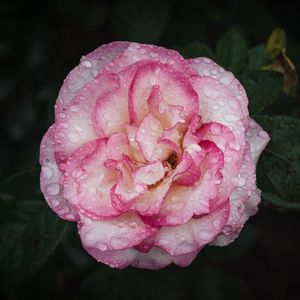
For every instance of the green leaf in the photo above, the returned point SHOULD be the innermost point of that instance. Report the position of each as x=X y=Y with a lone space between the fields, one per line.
x=279 y=167
x=256 y=57
x=140 y=21
x=262 y=88
x=232 y=51
x=197 y=49
x=29 y=230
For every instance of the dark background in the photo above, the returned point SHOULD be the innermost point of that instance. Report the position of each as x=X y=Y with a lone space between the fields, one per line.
x=40 y=43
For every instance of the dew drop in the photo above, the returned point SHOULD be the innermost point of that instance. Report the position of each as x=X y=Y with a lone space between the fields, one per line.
x=142 y=206
x=205 y=235
x=231 y=117
x=118 y=243
x=52 y=189
x=227 y=229
x=215 y=107
x=75 y=107
x=263 y=134
x=47 y=172
x=163 y=242
x=86 y=63
x=55 y=203
x=102 y=247
x=73 y=137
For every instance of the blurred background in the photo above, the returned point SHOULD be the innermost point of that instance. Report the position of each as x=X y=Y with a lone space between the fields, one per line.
x=40 y=42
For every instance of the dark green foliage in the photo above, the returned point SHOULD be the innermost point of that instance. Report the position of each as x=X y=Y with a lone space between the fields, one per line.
x=29 y=230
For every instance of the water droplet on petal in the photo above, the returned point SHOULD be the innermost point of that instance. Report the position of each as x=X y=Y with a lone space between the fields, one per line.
x=142 y=206
x=73 y=137
x=118 y=243
x=263 y=134
x=163 y=242
x=86 y=63
x=231 y=117
x=75 y=107
x=215 y=107
x=102 y=247
x=205 y=235
x=217 y=223
x=47 y=172
x=227 y=229
x=52 y=189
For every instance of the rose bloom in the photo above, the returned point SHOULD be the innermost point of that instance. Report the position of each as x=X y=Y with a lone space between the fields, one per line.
x=152 y=155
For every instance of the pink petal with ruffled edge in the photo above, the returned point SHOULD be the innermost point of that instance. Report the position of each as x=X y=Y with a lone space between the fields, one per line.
x=147 y=137
x=155 y=259
x=257 y=138
x=126 y=188
x=74 y=126
x=87 y=70
x=183 y=202
x=118 y=233
x=175 y=90
x=149 y=174
x=243 y=201
x=117 y=146
x=87 y=182
x=135 y=150
x=110 y=114
x=194 y=234
x=50 y=176
x=216 y=105
x=205 y=67
x=169 y=115
x=139 y=52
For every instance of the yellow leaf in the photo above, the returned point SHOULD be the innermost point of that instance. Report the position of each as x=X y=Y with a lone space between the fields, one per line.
x=276 y=43
x=283 y=64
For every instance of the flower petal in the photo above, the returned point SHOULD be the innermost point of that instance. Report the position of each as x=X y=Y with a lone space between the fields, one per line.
x=74 y=127
x=147 y=138
x=176 y=92
x=257 y=139
x=193 y=235
x=50 y=176
x=87 y=182
x=155 y=259
x=182 y=202
x=205 y=67
x=243 y=201
x=87 y=70
x=219 y=105
x=119 y=233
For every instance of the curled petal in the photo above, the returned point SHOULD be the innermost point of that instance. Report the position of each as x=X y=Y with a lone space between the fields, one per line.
x=182 y=202
x=148 y=136
x=176 y=92
x=219 y=105
x=257 y=139
x=87 y=182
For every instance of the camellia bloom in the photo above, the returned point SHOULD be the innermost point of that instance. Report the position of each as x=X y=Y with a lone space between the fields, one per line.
x=152 y=155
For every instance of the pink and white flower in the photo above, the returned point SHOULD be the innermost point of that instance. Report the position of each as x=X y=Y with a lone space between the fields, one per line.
x=152 y=155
